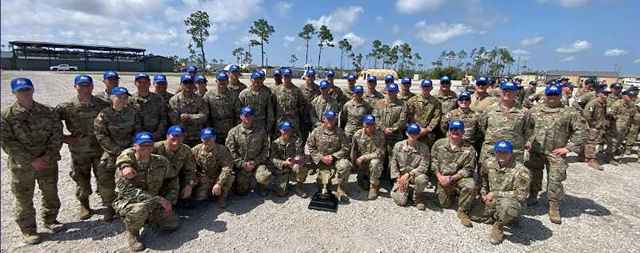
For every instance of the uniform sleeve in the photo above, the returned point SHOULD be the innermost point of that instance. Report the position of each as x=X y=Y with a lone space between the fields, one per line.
x=402 y=120
x=55 y=139
x=263 y=156
x=313 y=115
x=577 y=130
x=172 y=111
x=312 y=147
x=435 y=162
x=394 y=167
x=234 y=148
x=276 y=160
x=344 y=147
x=271 y=120
x=529 y=128
x=444 y=124
x=200 y=118
x=227 y=165
x=437 y=115
x=378 y=152
x=423 y=167
x=15 y=149
x=164 y=118
x=483 y=123
x=102 y=135
x=171 y=184
x=467 y=163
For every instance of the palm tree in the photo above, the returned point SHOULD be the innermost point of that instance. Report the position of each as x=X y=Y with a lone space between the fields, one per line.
x=307 y=33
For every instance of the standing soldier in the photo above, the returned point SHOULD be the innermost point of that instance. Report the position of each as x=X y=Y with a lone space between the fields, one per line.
x=353 y=111
x=183 y=167
x=567 y=94
x=201 y=85
x=160 y=87
x=192 y=71
x=290 y=103
x=468 y=117
x=586 y=94
x=372 y=95
x=595 y=114
x=391 y=113
x=258 y=97
x=329 y=150
x=481 y=100
x=388 y=79
x=505 y=190
x=622 y=113
x=351 y=82
x=405 y=89
x=632 y=137
x=114 y=128
x=310 y=90
x=367 y=154
x=409 y=164
x=277 y=77
x=448 y=98
x=558 y=130
x=453 y=165
x=223 y=107
x=78 y=115
x=249 y=147
x=110 y=79
x=31 y=135
x=140 y=179
x=426 y=111
x=188 y=110
x=150 y=106
x=214 y=168
x=234 y=80
x=335 y=91
x=287 y=156
x=324 y=102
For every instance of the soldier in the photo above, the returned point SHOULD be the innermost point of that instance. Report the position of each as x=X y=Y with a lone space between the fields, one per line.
x=114 y=128
x=595 y=114
x=632 y=137
x=372 y=95
x=201 y=85
x=353 y=111
x=454 y=165
x=622 y=113
x=160 y=87
x=529 y=95
x=405 y=89
x=391 y=113
x=466 y=85
x=150 y=106
x=468 y=117
x=505 y=190
x=258 y=97
x=140 y=179
x=616 y=93
x=388 y=79
x=409 y=164
x=335 y=91
x=481 y=100
x=426 y=111
x=324 y=102
x=585 y=95
x=214 y=169
x=567 y=94
x=183 y=166
x=249 y=147
x=110 y=79
x=290 y=103
x=558 y=130
x=329 y=148
x=310 y=91
x=223 y=107
x=78 y=115
x=351 y=82
x=277 y=77
x=188 y=110
x=287 y=156
x=192 y=71
x=31 y=135
x=367 y=154
x=448 y=98
x=235 y=86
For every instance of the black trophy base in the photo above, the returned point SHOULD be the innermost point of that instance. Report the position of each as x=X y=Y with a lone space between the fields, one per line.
x=324 y=202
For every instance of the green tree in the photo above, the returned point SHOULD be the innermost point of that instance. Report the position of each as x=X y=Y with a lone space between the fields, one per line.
x=262 y=30
x=325 y=38
x=357 y=61
x=293 y=59
x=418 y=58
x=376 y=50
x=238 y=53
x=344 y=46
x=405 y=55
x=198 y=25
x=307 y=33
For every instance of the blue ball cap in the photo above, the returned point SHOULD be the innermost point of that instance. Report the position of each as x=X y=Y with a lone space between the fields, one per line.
x=175 y=130
x=616 y=86
x=368 y=119
x=392 y=87
x=222 y=76
x=310 y=73
x=464 y=96
x=200 y=78
x=330 y=73
x=256 y=75
x=456 y=125
x=143 y=138
x=277 y=72
x=246 y=111
x=602 y=88
x=552 y=90
x=372 y=79
x=426 y=83
x=413 y=128
x=110 y=74
x=119 y=90
x=140 y=76
x=186 y=78
x=482 y=81
x=192 y=69
x=234 y=68
x=83 y=80
x=286 y=72
x=503 y=146
x=510 y=86
x=445 y=80
x=20 y=83
x=160 y=79
x=389 y=78
x=207 y=133
x=324 y=84
x=285 y=125
x=351 y=77
x=329 y=115
x=358 y=89
x=630 y=92
x=405 y=80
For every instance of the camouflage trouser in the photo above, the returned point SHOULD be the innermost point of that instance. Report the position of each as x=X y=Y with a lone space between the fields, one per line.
x=594 y=138
x=150 y=211
x=23 y=180
x=81 y=167
x=464 y=188
x=202 y=189
x=615 y=140
x=486 y=153
x=372 y=169
x=281 y=178
x=245 y=181
x=338 y=173
x=106 y=178
x=632 y=137
x=503 y=210
x=402 y=198
x=556 y=168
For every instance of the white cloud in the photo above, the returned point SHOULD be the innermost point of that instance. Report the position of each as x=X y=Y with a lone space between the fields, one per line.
x=288 y=40
x=567 y=3
x=354 y=40
x=568 y=58
x=340 y=20
x=637 y=61
x=577 y=46
x=521 y=52
x=532 y=41
x=244 y=40
x=615 y=52
x=440 y=32
x=395 y=29
x=416 y=6
x=379 y=19
x=283 y=8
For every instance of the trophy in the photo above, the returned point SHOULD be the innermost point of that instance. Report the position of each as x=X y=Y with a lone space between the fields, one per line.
x=324 y=199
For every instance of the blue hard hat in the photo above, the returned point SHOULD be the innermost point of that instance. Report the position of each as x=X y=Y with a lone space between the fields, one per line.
x=358 y=89
x=482 y=81
x=175 y=130
x=83 y=80
x=285 y=125
x=372 y=79
x=110 y=74
x=351 y=77
x=286 y=72
x=234 y=68
x=276 y=72
x=186 y=78
x=207 y=133
x=464 y=96
x=329 y=115
x=141 y=76
x=20 y=83
x=413 y=128
x=192 y=69
x=426 y=83
x=445 y=80
x=388 y=78
x=324 y=84
x=330 y=73
x=368 y=119
x=405 y=80
x=222 y=76
x=160 y=79
x=310 y=73
x=508 y=86
x=552 y=90
x=456 y=125
x=200 y=78
x=503 y=146
x=246 y=111
x=119 y=90
x=392 y=87
x=143 y=138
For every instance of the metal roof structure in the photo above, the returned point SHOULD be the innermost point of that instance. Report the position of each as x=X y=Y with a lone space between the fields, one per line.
x=74 y=46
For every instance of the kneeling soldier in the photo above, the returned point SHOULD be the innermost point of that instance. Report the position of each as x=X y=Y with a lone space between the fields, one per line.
x=183 y=166
x=287 y=157
x=409 y=164
x=367 y=152
x=214 y=168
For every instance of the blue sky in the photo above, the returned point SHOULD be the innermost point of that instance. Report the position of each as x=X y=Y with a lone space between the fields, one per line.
x=547 y=34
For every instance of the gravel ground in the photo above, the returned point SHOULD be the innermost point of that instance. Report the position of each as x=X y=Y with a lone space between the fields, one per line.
x=600 y=214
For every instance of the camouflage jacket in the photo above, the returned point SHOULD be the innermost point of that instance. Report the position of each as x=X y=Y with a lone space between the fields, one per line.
x=391 y=113
x=153 y=113
x=506 y=182
x=481 y=102
x=259 y=99
x=27 y=134
x=515 y=125
x=104 y=96
x=351 y=115
x=612 y=98
x=196 y=110
x=405 y=96
x=583 y=99
x=213 y=162
x=595 y=114
x=290 y=104
x=556 y=128
x=115 y=129
x=452 y=160
x=406 y=158
x=370 y=147
x=152 y=180
x=339 y=95
x=224 y=109
x=372 y=98
x=471 y=121
x=425 y=111
x=248 y=144
x=449 y=101
x=182 y=163
x=166 y=96
x=235 y=86
x=78 y=118
x=323 y=141
x=622 y=113
x=310 y=93
x=321 y=104
x=282 y=150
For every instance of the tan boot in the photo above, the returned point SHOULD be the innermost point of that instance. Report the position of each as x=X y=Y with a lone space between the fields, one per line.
x=340 y=193
x=594 y=164
x=497 y=233
x=109 y=214
x=554 y=212
x=31 y=238
x=373 y=191
x=464 y=218
x=419 y=199
x=300 y=190
x=84 y=213
x=133 y=238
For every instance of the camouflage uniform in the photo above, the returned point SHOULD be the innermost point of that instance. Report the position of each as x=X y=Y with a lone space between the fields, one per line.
x=391 y=113
x=515 y=125
x=632 y=136
x=372 y=148
x=249 y=144
x=282 y=150
x=449 y=101
x=583 y=99
x=323 y=141
x=290 y=105
x=408 y=159
x=214 y=165
x=621 y=114
x=153 y=113
x=196 y=109
x=223 y=110
x=27 y=134
x=471 y=123
x=235 y=86
x=595 y=116
x=339 y=95
x=372 y=98
x=104 y=96
x=260 y=101
x=510 y=187
x=450 y=161
x=351 y=116
x=321 y=104
x=481 y=102
x=405 y=96
x=183 y=166
x=426 y=112
x=166 y=96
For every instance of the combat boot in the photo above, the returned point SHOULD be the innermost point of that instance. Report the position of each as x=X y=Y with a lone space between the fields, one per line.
x=464 y=218
x=533 y=199
x=594 y=164
x=554 y=212
x=341 y=194
x=497 y=233
x=109 y=214
x=300 y=190
x=419 y=199
x=373 y=191
x=133 y=238
x=31 y=238
x=85 y=211
x=53 y=226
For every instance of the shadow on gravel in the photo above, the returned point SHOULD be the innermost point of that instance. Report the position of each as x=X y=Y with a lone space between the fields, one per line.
x=527 y=231
x=571 y=206
x=239 y=205
x=90 y=229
